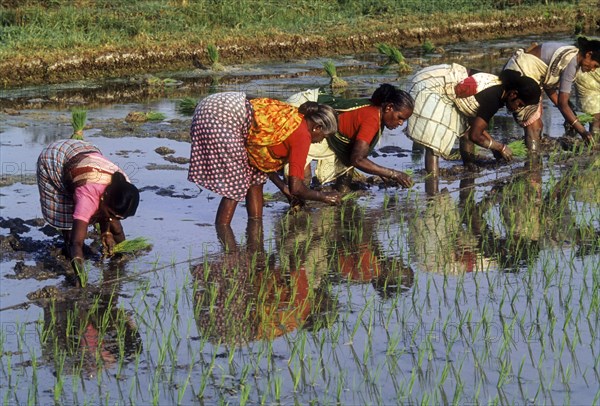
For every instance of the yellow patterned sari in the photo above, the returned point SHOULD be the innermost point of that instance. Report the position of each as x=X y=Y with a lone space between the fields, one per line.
x=274 y=121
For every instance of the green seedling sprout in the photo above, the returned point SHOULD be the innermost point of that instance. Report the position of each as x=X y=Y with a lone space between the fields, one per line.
x=213 y=58
x=395 y=57
x=334 y=80
x=78 y=118
x=132 y=246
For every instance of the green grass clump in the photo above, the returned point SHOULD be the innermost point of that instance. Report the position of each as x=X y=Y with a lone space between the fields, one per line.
x=394 y=57
x=132 y=246
x=187 y=106
x=78 y=117
x=428 y=47
x=213 y=57
x=335 y=80
x=518 y=148
x=155 y=116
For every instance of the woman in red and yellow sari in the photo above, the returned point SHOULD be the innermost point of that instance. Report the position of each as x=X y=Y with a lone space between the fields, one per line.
x=238 y=143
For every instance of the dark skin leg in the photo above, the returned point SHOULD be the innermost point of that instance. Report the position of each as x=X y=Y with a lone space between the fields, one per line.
x=225 y=235
x=225 y=211
x=432 y=164
x=254 y=202
x=533 y=136
x=432 y=185
x=467 y=151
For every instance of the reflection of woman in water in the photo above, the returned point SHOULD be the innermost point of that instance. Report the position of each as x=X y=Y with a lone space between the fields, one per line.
x=95 y=333
x=440 y=242
x=244 y=296
x=342 y=241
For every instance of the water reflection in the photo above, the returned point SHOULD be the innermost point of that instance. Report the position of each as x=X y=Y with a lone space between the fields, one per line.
x=243 y=293
x=341 y=243
x=442 y=237
x=90 y=332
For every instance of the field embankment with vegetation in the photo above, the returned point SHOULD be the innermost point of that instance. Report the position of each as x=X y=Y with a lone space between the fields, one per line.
x=58 y=41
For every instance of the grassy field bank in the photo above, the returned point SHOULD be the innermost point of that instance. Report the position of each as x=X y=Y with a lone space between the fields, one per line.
x=58 y=41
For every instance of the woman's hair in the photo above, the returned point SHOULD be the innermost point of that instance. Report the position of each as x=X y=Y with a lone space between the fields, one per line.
x=528 y=89
x=388 y=94
x=320 y=114
x=586 y=45
x=121 y=196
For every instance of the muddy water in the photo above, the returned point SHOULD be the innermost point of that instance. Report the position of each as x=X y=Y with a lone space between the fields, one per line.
x=485 y=291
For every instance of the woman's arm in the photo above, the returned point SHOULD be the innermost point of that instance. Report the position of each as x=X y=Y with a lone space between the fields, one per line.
x=78 y=234
x=359 y=159
x=299 y=190
x=562 y=102
x=479 y=135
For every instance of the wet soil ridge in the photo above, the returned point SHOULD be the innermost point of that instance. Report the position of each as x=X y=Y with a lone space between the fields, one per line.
x=20 y=71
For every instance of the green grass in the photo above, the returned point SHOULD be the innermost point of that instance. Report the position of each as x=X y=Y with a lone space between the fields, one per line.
x=35 y=26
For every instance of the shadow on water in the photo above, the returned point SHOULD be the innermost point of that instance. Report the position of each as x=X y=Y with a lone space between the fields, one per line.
x=417 y=295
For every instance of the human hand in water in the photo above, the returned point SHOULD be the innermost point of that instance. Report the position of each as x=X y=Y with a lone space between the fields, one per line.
x=108 y=243
x=331 y=198
x=504 y=153
x=588 y=138
x=401 y=178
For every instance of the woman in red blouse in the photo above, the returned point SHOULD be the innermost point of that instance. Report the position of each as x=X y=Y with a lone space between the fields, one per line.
x=237 y=143
x=390 y=108
x=359 y=130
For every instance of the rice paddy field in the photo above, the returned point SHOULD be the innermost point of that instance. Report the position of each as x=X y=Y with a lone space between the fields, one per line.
x=481 y=289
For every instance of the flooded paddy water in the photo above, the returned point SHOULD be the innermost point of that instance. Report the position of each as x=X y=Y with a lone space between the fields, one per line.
x=486 y=291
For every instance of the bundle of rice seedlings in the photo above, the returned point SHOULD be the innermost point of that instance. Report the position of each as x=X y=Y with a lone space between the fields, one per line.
x=585 y=118
x=350 y=195
x=394 y=57
x=155 y=116
x=132 y=246
x=78 y=117
x=335 y=81
x=187 y=106
x=428 y=47
x=213 y=57
x=518 y=148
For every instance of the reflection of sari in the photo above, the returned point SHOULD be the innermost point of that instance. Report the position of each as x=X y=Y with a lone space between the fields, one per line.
x=284 y=306
x=441 y=244
x=361 y=265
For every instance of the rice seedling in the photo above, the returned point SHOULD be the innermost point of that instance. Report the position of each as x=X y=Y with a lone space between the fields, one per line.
x=518 y=148
x=78 y=118
x=213 y=58
x=428 y=47
x=155 y=116
x=132 y=246
x=334 y=80
x=395 y=57
x=585 y=118
x=187 y=106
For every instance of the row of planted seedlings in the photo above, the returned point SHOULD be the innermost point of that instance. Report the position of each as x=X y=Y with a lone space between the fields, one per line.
x=443 y=299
